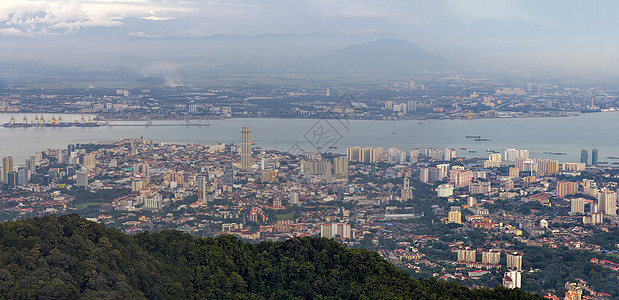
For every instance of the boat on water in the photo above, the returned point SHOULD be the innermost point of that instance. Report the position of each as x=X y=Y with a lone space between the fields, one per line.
x=481 y=139
x=555 y=153
x=462 y=148
x=472 y=151
x=473 y=136
x=612 y=157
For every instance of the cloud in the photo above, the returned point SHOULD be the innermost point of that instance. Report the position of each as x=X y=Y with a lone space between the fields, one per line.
x=47 y=18
x=144 y=35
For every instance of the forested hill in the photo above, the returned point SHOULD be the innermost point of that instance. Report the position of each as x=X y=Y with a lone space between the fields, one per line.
x=70 y=257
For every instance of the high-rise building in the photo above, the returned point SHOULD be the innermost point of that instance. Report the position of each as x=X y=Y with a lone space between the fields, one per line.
x=514 y=172
x=228 y=178
x=524 y=154
x=514 y=260
x=480 y=188
x=511 y=154
x=444 y=170
x=136 y=185
x=407 y=193
x=31 y=164
x=142 y=168
x=201 y=182
x=7 y=166
x=449 y=154
x=584 y=156
x=366 y=155
x=376 y=155
x=12 y=179
x=82 y=178
x=445 y=190
x=340 y=168
x=246 y=148
x=455 y=215
x=466 y=254
x=435 y=174
x=155 y=202
x=577 y=206
x=607 y=202
x=23 y=176
x=565 y=188
x=460 y=178
x=316 y=167
x=424 y=175
x=89 y=161
x=594 y=156
x=353 y=154
x=333 y=230
x=547 y=166
x=294 y=198
x=491 y=257
x=495 y=157
x=414 y=156
x=512 y=279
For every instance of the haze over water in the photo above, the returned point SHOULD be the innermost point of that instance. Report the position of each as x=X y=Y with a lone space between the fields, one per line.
x=538 y=135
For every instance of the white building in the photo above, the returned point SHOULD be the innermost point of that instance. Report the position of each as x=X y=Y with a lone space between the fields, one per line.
x=512 y=279
x=445 y=190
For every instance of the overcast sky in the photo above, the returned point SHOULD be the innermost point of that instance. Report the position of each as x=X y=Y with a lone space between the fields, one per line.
x=201 y=18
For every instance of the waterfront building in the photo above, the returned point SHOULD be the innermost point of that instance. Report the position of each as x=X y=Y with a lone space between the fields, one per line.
x=594 y=157
x=584 y=156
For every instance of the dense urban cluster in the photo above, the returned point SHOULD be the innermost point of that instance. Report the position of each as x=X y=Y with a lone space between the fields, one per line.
x=432 y=96
x=538 y=224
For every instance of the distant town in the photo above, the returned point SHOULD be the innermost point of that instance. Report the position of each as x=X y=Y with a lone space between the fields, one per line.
x=434 y=96
x=513 y=220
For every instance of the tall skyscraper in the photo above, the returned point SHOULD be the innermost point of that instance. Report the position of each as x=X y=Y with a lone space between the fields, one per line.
x=201 y=181
x=584 y=156
x=7 y=166
x=245 y=148
x=594 y=156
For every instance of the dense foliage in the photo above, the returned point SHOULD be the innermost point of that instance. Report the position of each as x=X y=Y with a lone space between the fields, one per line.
x=70 y=257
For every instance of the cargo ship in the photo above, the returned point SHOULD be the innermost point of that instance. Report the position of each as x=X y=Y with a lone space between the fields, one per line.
x=473 y=136
x=481 y=139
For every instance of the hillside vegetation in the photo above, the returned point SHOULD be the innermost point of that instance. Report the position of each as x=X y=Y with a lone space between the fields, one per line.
x=70 y=257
